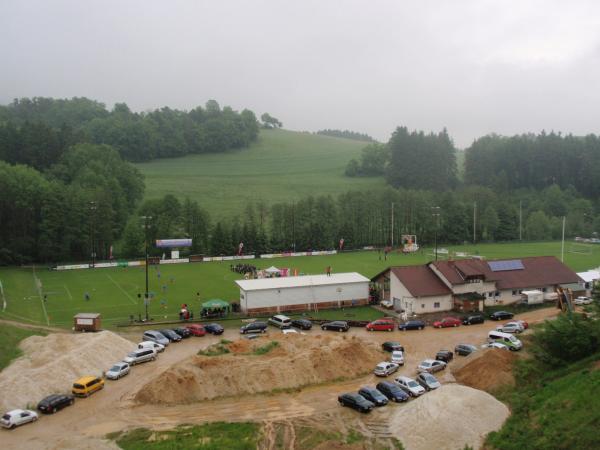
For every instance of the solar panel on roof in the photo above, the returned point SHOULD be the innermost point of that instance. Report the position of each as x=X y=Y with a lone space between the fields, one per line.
x=501 y=266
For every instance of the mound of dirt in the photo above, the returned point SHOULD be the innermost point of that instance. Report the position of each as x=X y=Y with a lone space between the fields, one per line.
x=488 y=370
x=51 y=363
x=295 y=362
x=449 y=417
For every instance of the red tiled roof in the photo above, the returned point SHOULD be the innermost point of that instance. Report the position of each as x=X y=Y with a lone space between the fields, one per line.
x=538 y=271
x=420 y=281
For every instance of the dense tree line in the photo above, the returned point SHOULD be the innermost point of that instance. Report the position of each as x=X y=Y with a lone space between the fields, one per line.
x=373 y=161
x=347 y=134
x=364 y=218
x=535 y=161
x=81 y=203
x=27 y=125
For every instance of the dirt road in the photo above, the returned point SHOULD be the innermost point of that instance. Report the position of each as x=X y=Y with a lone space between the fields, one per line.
x=113 y=409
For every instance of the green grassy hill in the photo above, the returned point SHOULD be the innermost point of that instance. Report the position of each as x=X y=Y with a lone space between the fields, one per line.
x=280 y=166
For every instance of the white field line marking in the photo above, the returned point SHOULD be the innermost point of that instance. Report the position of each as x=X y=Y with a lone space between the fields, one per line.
x=68 y=291
x=23 y=318
x=38 y=286
x=3 y=298
x=122 y=290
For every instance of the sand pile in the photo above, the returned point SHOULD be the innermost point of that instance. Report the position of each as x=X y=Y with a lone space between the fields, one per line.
x=296 y=362
x=488 y=370
x=449 y=417
x=50 y=364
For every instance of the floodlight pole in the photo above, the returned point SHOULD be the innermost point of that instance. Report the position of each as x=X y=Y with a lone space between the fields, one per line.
x=435 y=213
x=146 y=251
x=93 y=231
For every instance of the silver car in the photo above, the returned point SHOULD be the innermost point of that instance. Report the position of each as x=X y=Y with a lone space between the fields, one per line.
x=428 y=381
x=410 y=386
x=117 y=371
x=511 y=327
x=18 y=417
x=431 y=366
x=383 y=369
x=155 y=336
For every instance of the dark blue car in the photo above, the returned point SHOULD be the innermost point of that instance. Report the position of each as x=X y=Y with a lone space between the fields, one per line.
x=412 y=325
x=213 y=328
x=392 y=391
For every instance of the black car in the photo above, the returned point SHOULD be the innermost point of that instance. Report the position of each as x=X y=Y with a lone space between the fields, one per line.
x=464 y=349
x=412 y=325
x=303 y=324
x=444 y=355
x=472 y=320
x=170 y=335
x=391 y=346
x=392 y=391
x=214 y=328
x=356 y=401
x=373 y=395
x=337 y=325
x=254 y=327
x=501 y=315
x=183 y=332
x=55 y=402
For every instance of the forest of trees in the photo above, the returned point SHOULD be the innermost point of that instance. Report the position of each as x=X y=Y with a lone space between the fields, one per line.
x=37 y=131
x=68 y=189
x=347 y=134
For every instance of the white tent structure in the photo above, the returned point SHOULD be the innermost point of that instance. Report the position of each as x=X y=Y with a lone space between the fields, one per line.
x=272 y=270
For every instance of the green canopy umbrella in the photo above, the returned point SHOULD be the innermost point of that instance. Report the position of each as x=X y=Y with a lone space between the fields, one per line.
x=216 y=303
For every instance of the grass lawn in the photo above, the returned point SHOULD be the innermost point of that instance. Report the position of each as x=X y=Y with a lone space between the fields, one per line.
x=9 y=339
x=211 y=436
x=114 y=292
x=280 y=167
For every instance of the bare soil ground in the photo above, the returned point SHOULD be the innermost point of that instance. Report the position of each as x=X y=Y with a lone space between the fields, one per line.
x=488 y=370
x=115 y=408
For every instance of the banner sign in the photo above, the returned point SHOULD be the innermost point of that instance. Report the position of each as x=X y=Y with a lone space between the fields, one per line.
x=174 y=261
x=167 y=243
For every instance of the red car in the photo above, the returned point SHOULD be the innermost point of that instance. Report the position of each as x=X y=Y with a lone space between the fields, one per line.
x=381 y=325
x=196 y=330
x=446 y=322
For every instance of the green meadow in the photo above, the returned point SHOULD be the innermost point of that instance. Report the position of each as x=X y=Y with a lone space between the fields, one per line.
x=280 y=167
x=114 y=291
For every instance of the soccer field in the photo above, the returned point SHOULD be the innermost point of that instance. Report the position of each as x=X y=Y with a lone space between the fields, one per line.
x=113 y=292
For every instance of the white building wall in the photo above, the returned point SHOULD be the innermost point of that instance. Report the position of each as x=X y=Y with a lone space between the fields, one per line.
x=403 y=299
x=509 y=296
x=273 y=297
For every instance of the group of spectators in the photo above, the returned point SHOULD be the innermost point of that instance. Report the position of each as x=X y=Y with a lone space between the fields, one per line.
x=244 y=268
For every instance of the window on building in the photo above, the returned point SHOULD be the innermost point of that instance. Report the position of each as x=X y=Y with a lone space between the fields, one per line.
x=544 y=289
x=436 y=305
x=422 y=305
x=490 y=294
x=497 y=293
x=587 y=285
x=520 y=291
x=514 y=293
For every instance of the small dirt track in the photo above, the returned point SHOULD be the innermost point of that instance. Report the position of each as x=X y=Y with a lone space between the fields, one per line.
x=113 y=408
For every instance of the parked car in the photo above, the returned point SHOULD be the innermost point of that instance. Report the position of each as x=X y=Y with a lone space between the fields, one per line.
x=290 y=331
x=473 y=319
x=18 y=417
x=582 y=301
x=412 y=325
x=170 y=335
x=499 y=345
x=140 y=356
x=381 y=325
x=86 y=386
x=507 y=339
x=153 y=345
x=523 y=323
x=184 y=332
x=54 y=403
x=280 y=321
x=196 y=329
x=392 y=391
x=464 y=349
x=410 y=386
x=214 y=328
x=117 y=371
x=392 y=346
x=501 y=315
x=444 y=355
x=254 y=327
x=337 y=325
x=446 y=322
x=303 y=324
x=397 y=357
x=373 y=395
x=428 y=381
x=383 y=369
x=510 y=327
x=356 y=401
x=431 y=366
x=155 y=336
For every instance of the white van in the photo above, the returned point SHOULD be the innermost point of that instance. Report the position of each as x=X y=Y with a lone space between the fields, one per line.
x=153 y=345
x=280 y=321
x=505 y=338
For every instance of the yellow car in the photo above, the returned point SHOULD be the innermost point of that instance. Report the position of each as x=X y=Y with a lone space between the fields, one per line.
x=86 y=386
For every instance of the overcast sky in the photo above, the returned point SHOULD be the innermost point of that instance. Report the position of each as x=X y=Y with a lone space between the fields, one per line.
x=473 y=67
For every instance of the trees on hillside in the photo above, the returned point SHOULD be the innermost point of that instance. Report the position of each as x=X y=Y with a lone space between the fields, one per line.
x=270 y=121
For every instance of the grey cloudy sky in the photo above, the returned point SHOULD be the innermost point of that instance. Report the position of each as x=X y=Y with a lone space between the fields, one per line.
x=472 y=66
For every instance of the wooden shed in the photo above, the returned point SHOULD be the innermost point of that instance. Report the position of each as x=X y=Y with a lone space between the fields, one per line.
x=87 y=322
